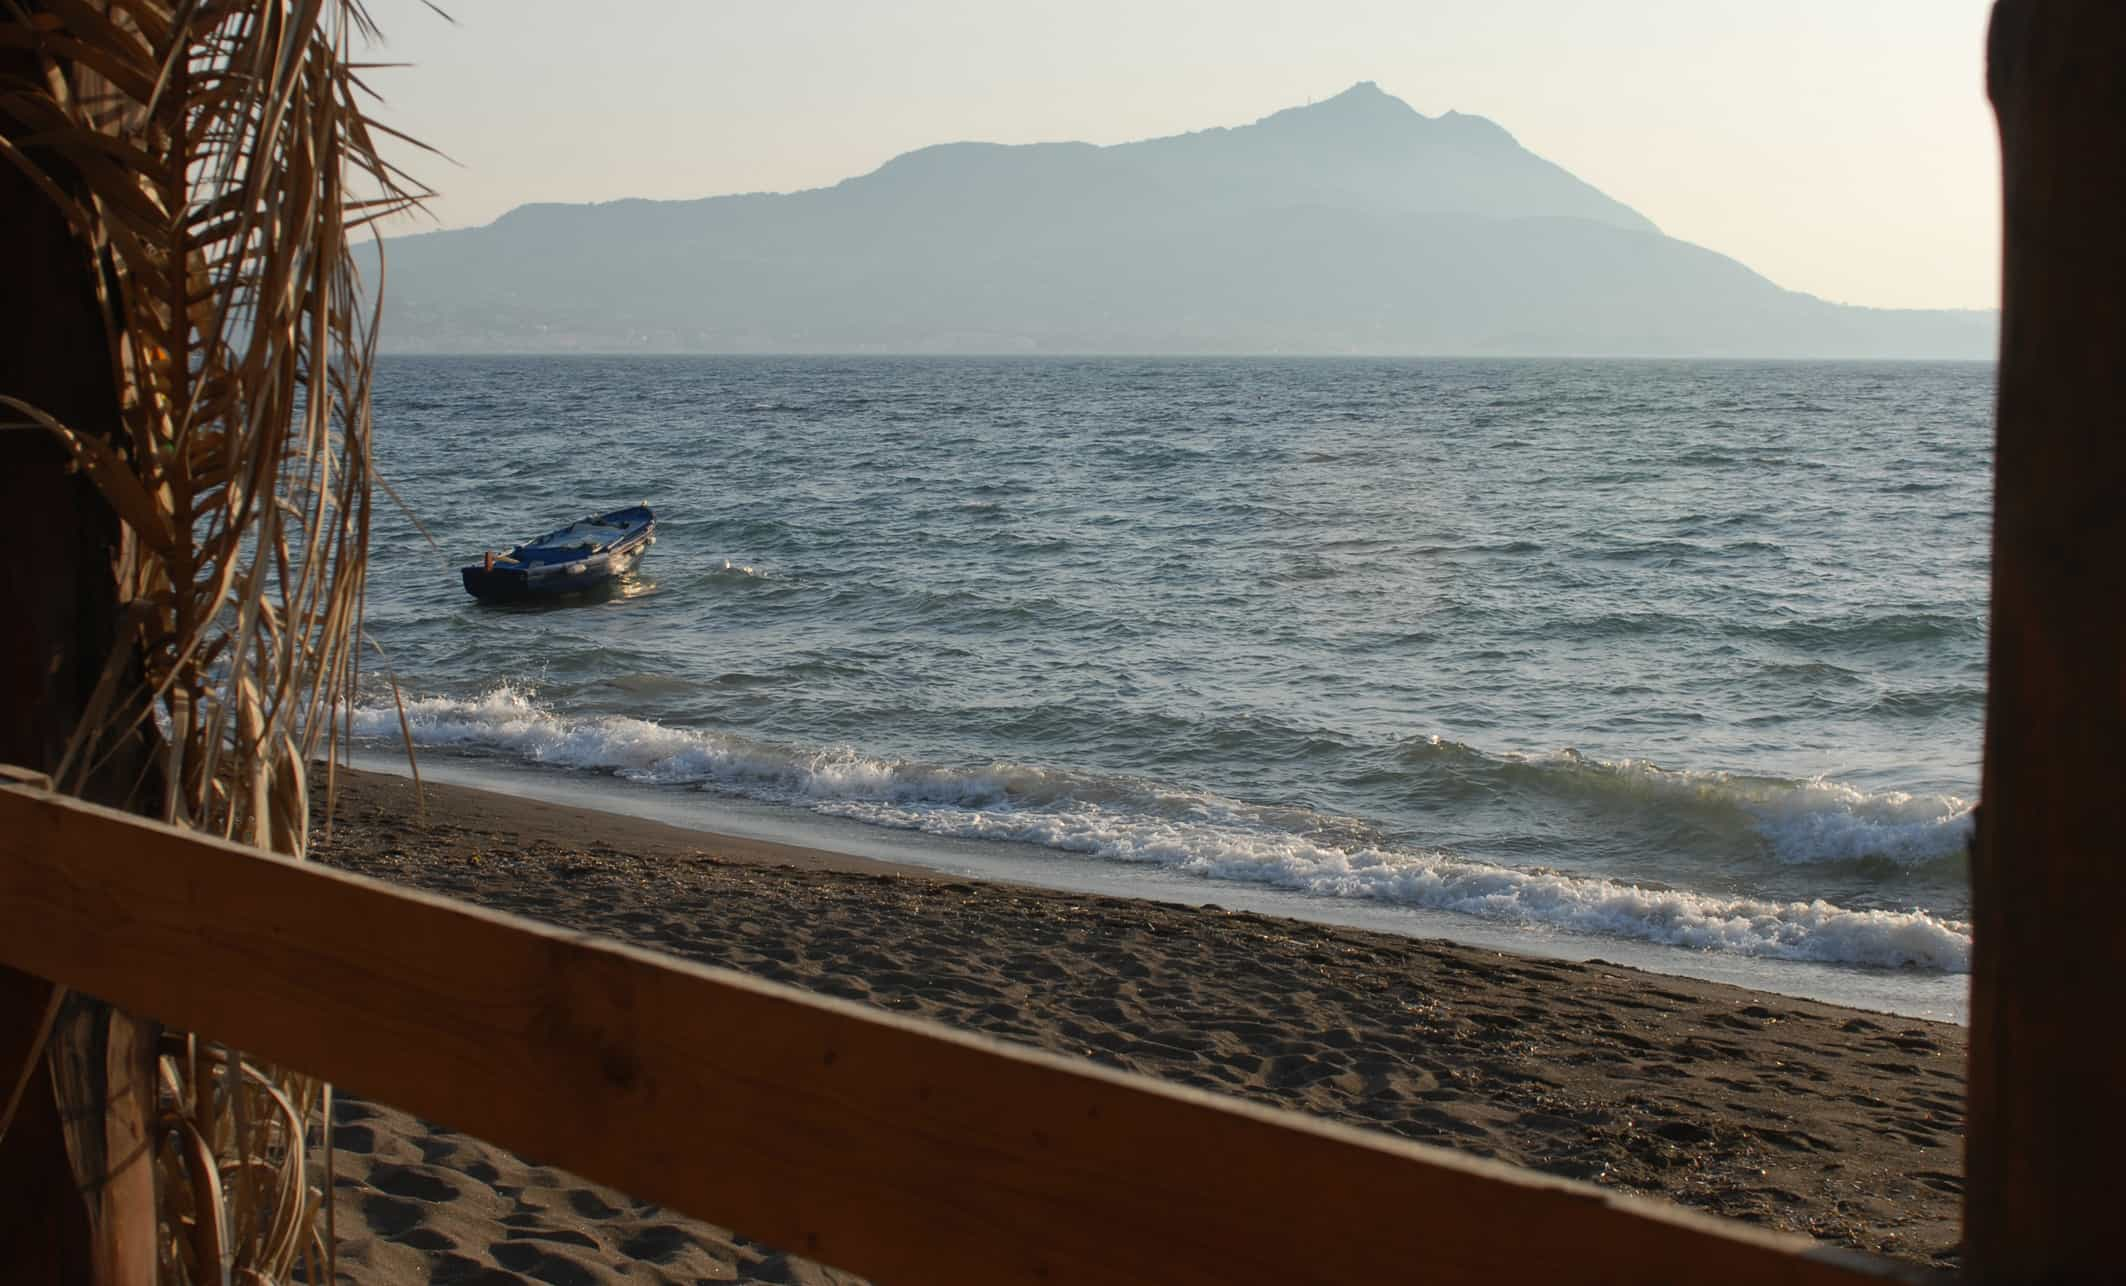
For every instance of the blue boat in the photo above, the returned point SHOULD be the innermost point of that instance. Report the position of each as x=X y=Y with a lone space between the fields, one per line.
x=583 y=555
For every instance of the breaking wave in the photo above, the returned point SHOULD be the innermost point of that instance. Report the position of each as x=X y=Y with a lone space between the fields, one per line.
x=1208 y=836
x=1796 y=821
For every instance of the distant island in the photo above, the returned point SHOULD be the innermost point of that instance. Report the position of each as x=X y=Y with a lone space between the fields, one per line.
x=1356 y=225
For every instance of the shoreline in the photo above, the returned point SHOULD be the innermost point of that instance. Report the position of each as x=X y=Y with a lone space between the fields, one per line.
x=1799 y=1115
x=709 y=817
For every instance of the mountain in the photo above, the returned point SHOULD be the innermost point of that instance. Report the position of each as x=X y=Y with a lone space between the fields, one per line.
x=1352 y=225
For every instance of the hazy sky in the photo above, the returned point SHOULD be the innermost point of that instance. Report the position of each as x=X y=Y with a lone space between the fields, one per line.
x=1841 y=147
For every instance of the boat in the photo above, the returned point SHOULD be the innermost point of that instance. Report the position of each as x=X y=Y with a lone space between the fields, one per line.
x=584 y=555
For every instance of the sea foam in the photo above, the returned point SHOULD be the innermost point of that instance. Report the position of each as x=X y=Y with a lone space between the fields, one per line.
x=1204 y=835
x=1815 y=931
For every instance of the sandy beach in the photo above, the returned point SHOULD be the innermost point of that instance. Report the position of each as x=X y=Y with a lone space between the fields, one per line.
x=1839 y=1124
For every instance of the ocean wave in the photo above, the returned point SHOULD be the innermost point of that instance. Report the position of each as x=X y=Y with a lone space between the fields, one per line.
x=1930 y=703
x=1813 y=931
x=1202 y=834
x=1797 y=821
x=1857 y=632
x=1814 y=820
x=509 y=720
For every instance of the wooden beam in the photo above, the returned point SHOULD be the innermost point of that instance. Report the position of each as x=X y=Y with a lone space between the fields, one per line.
x=899 y=1149
x=2047 y=1124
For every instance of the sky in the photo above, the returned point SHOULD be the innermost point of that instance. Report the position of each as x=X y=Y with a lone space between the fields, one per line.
x=1839 y=147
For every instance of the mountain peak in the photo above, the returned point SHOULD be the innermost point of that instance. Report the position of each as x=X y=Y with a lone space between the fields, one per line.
x=1365 y=100
x=1364 y=90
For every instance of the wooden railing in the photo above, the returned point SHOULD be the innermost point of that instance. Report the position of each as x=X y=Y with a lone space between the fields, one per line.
x=904 y=1150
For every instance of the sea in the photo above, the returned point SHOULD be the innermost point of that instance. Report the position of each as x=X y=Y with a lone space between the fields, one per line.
x=1674 y=664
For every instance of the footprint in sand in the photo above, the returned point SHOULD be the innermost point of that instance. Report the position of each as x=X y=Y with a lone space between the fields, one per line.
x=460 y=1270
x=541 y=1265
x=427 y=1239
x=590 y=1205
x=656 y=1244
x=560 y=1236
x=359 y=1140
x=389 y=1216
x=406 y=1181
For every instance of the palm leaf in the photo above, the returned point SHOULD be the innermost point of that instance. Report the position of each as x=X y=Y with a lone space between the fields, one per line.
x=212 y=154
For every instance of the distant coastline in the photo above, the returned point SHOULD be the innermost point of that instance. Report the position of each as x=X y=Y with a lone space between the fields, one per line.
x=1355 y=226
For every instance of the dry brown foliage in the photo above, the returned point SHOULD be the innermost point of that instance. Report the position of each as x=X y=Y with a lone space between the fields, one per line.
x=214 y=156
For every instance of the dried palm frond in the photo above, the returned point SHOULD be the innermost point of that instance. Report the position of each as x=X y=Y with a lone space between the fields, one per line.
x=212 y=156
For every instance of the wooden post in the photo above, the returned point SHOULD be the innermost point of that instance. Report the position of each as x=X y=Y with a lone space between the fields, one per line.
x=91 y=1220
x=2046 y=1133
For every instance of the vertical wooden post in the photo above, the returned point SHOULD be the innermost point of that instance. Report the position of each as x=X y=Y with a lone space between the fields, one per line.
x=2047 y=1133
x=58 y=1224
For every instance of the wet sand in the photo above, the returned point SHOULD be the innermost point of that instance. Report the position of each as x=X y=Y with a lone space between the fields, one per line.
x=1844 y=1125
